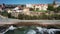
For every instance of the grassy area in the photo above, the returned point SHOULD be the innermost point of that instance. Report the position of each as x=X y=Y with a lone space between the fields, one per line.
x=40 y=11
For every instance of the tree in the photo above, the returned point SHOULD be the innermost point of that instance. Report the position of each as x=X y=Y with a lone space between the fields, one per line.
x=20 y=16
x=31 y=9
x=54 y=2
x=4 y=13
x=50 y=8
x=34 y=7
x=58 y=8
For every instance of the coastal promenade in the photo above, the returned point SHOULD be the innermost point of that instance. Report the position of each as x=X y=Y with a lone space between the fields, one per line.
x=16 y=21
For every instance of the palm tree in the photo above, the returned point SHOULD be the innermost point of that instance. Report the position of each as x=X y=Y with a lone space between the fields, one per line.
x=34 y=7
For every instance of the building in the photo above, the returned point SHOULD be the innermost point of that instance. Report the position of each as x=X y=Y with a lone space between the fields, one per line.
x=38 y=6
x=29 y=5
x=16 y=11
x=26 y=10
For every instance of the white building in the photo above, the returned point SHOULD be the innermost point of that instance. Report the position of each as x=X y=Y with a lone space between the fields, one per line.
x=29 y=5
x=41 y=6
x=38 y=6
x=26 y=11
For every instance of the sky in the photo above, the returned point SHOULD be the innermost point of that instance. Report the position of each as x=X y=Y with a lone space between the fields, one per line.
x=27 y=1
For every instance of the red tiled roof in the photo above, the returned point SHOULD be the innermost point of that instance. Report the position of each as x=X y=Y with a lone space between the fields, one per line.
x=41 y=4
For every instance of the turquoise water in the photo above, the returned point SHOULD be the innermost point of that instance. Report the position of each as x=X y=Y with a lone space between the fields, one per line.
x=23 y=30
x=33 y=30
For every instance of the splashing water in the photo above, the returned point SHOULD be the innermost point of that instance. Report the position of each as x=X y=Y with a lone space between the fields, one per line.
x=39 y=30
x=47 y=31
x=12 y=28
x=31 y=32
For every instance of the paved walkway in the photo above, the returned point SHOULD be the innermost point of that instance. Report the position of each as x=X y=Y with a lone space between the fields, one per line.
x=14 y=21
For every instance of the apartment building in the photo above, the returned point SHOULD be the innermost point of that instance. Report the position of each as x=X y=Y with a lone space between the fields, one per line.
x=38 y=6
